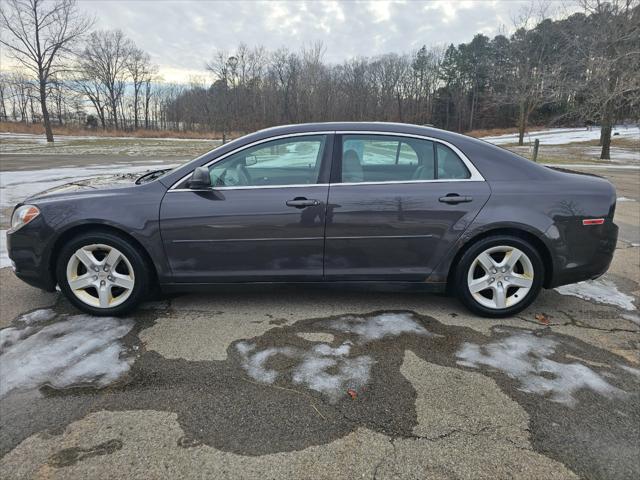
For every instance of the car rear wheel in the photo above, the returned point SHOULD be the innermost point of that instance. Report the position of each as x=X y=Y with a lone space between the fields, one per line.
x=101 y=273
x=499 y=276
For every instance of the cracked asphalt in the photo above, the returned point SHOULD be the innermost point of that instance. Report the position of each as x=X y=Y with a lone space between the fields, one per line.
x=307 y=383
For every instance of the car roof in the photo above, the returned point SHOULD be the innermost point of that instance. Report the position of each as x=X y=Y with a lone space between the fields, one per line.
x=395 y=127
x=494 y=163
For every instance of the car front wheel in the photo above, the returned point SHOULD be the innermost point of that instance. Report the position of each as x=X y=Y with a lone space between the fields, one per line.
x=499 y=276
x=102 y=273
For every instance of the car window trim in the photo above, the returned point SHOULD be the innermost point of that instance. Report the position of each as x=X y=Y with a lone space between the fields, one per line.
x=476 y=176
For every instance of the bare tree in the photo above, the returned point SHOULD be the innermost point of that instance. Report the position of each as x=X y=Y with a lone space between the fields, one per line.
x=534 y=76
x=105 y=59
x=140 y=71
x=4 y=93
x=39 y=35
x=21 y=92
x=611 y=61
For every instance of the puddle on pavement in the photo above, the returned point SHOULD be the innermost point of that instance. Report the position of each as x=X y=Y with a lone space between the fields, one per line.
x=288 y=388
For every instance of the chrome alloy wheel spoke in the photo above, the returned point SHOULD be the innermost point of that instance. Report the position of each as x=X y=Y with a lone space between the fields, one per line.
x=100 y=276
x=503 y=281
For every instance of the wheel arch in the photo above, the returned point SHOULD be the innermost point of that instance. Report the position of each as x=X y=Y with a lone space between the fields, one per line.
x=99 y=227
x=535 y=241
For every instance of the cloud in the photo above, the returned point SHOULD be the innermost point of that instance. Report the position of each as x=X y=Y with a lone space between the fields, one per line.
x=181 y=35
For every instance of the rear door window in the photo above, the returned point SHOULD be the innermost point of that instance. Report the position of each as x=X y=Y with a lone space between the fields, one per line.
x=386 y=158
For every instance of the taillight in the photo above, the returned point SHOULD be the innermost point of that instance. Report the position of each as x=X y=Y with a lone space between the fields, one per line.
x=593 y=221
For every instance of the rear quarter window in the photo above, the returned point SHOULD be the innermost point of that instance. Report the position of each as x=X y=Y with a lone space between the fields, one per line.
x=450 y=165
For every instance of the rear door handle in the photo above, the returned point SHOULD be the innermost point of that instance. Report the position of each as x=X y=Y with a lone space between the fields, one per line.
x=301 y=202
x=454 y=198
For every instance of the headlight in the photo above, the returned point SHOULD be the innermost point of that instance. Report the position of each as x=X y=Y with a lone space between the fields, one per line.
x=23 y=215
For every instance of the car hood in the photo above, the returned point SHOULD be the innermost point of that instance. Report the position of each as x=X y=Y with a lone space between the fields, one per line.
x=105 y=182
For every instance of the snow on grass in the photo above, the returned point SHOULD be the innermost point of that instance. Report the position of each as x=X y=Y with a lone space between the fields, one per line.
x=561 y=136
x=323 y=368
x=600 y=290
x=41 y=139
x=28 y=144
x=524 y=357
x=77 y=350
x=379 y=326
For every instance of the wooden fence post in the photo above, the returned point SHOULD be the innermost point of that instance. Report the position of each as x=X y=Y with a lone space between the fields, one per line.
x=536 y=145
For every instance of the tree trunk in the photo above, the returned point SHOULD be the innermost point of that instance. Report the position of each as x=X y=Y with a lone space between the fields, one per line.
x=45 y=112
x=605 y=135
x=114 y=112
x=473 y=108
x=135 y=108
x=446 y=121
x=522 y=124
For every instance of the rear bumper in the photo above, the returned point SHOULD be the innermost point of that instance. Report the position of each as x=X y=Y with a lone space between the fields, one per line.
x=588 y=257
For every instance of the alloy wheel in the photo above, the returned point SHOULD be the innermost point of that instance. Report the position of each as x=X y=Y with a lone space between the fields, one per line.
x=100 y=276
x=500 y=277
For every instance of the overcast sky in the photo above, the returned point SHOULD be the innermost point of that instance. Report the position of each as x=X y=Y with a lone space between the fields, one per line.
x=181 y=35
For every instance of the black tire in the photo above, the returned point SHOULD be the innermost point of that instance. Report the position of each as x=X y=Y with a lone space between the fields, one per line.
x=461 y=288
x=133 y=255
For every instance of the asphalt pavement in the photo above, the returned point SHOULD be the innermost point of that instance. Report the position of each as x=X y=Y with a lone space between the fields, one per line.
x=305 y=383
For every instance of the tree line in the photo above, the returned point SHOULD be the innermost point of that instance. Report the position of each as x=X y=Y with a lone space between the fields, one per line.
x=582 y=69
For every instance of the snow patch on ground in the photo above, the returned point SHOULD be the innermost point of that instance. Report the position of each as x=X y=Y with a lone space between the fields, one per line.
x=600 y=290
x=625 y=199
x=77 y=350
x=524 y=357
x=633 y=318
x=254 y=363
x=325 y=369
x=37 y=316
x=631 y=370
x=330 y=370
x=379 y=326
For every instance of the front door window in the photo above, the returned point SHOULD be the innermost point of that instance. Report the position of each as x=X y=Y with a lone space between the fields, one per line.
x=289 y=161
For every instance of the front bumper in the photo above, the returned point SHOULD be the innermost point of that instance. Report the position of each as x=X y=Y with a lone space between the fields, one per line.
x=28 y=250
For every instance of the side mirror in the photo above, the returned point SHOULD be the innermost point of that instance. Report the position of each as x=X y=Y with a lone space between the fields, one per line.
x=200 y=179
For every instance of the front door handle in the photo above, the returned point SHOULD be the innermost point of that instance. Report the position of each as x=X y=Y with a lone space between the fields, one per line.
x=301 y=202
x=454 y=198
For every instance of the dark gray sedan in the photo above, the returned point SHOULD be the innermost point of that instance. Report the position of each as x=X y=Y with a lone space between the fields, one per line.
x=376 y=204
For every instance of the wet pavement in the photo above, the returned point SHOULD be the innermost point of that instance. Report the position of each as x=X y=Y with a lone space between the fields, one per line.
x=310 y=383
